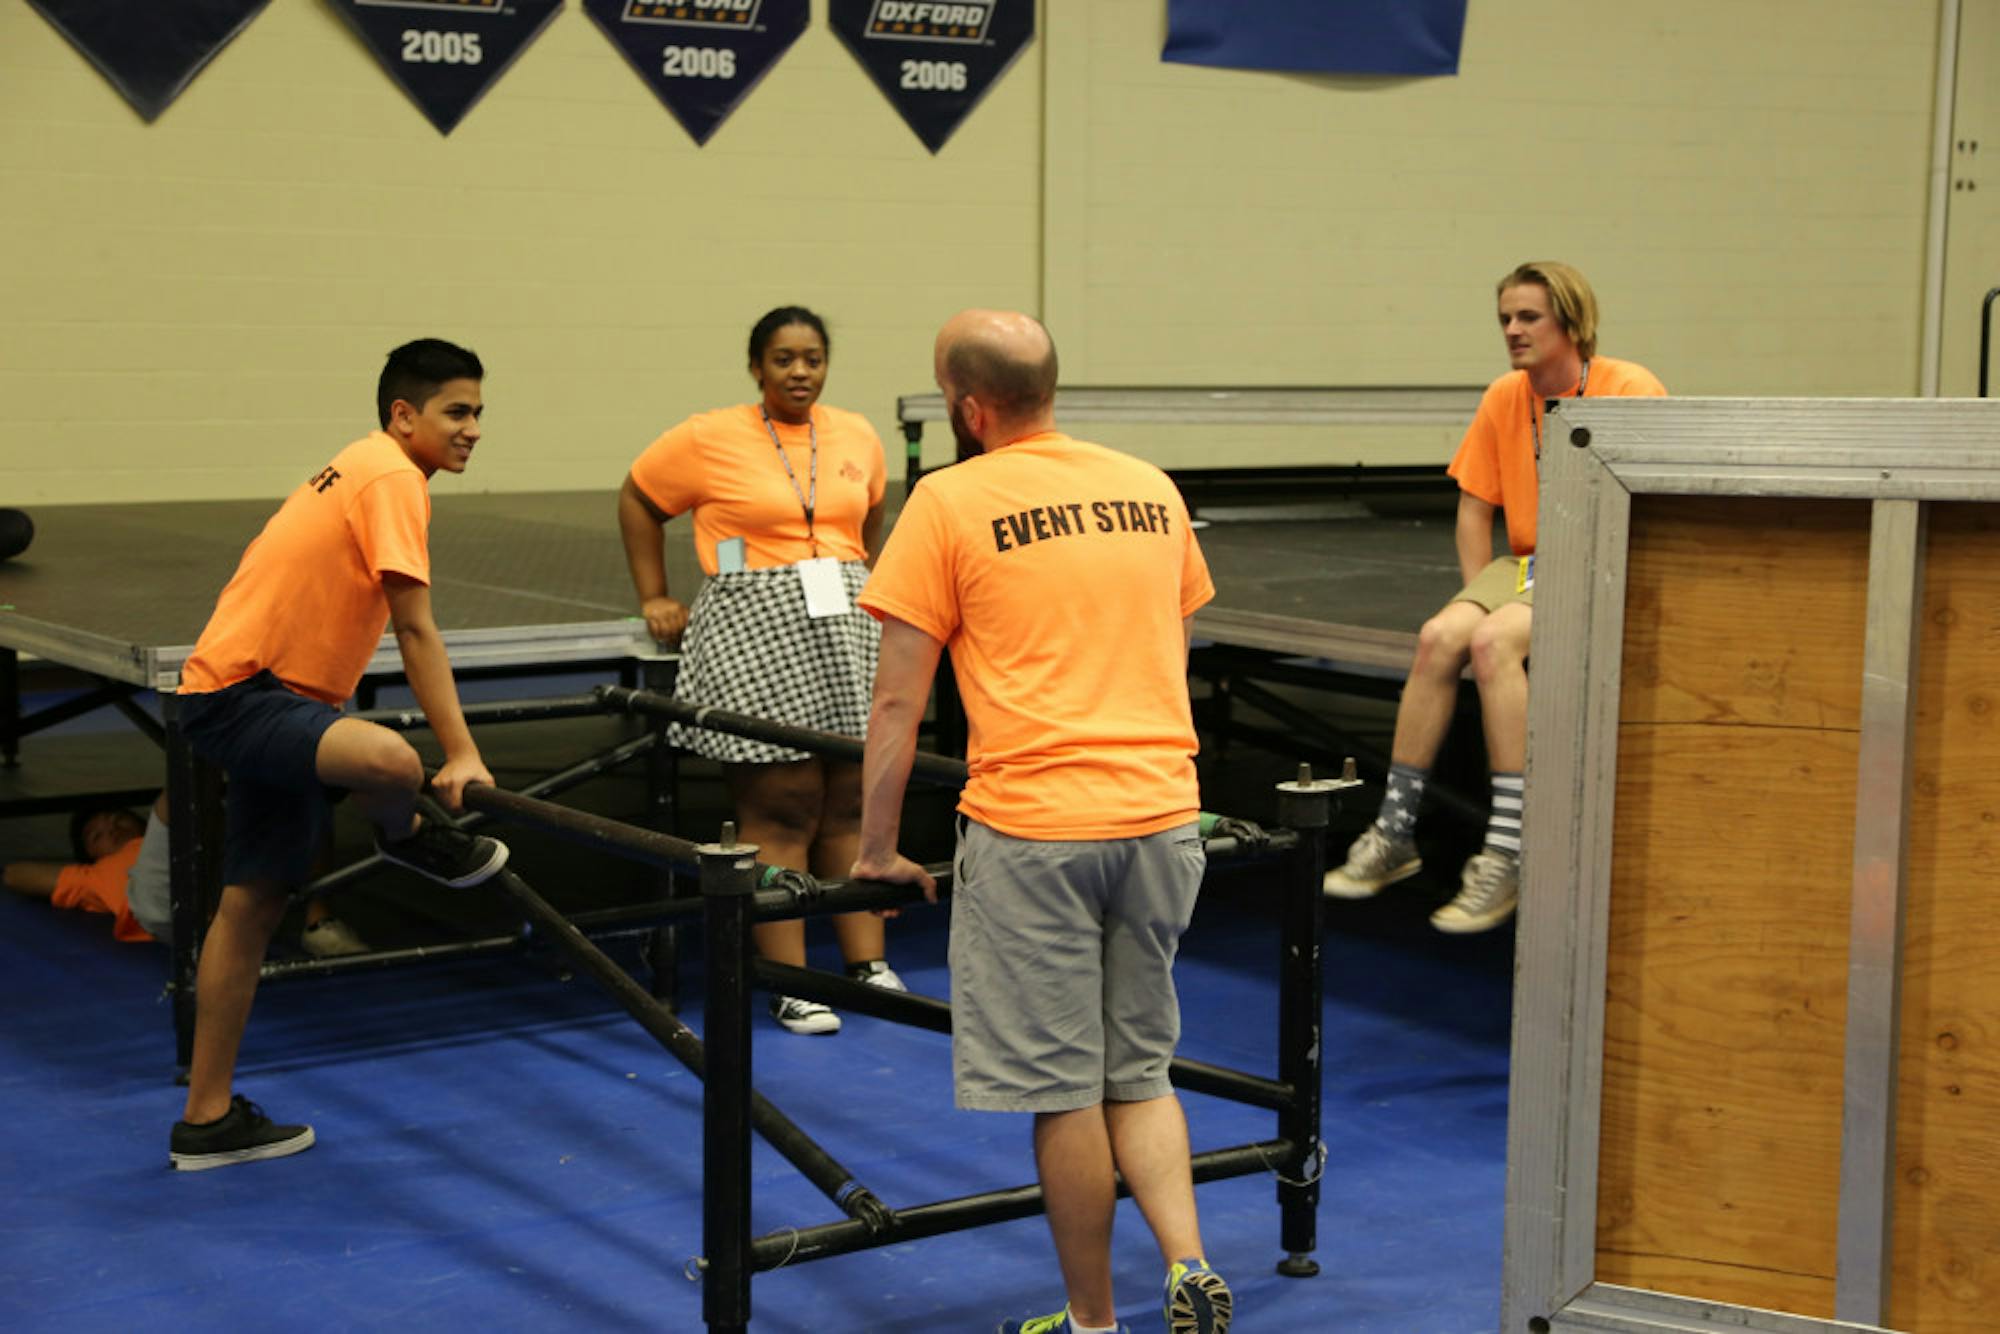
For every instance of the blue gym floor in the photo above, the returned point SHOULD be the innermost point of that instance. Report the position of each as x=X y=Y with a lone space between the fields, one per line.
x=502 y=1149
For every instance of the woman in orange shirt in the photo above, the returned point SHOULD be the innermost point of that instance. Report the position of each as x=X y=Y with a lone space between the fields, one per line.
x=786 y=495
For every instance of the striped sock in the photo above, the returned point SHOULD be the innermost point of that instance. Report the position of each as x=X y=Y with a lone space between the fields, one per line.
x=1503 y=826
x=1398 y=817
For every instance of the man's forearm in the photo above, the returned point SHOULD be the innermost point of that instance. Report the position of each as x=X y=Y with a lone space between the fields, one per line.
x=428 y=668
x=885 y=775
x=903 y=673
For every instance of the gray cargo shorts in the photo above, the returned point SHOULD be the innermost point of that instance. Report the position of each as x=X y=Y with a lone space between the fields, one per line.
x=1062 y=959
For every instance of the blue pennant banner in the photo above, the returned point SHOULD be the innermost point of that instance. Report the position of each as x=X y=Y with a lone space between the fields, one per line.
x=1318 y=36
x=149 y=51
x=934 y=62
x=446 y=53
x=701 y=57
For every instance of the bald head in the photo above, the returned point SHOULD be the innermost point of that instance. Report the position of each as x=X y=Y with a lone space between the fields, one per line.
x=1004 y=362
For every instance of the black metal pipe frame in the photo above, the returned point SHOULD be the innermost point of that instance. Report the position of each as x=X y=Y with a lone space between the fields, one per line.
x=498 y=711
x=194 y=862
x=194 y=802
x=775 y=1250
x=583 y=828
x=663 y=780
x=277 y=969
x=809 y=898
x=104 y=695
x=146 y=723
x=929 y=767
x=813 y=1162
x=10 y=707
x=728 y=879
x=733 y=900
x=795 y=896
x=903 y=1007
x=548 y=786
x=730 y=875
x=1304 y=805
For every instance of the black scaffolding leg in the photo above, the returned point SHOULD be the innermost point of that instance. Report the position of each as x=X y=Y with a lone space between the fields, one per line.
x=10 y=707
x=194 y=858
x=663 y=776
x=728 y=878
x=1305 y=805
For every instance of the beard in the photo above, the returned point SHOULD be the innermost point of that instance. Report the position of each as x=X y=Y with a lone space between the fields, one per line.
x=968 y=443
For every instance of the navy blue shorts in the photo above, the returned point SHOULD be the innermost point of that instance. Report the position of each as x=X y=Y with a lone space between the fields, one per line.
x=266 y=737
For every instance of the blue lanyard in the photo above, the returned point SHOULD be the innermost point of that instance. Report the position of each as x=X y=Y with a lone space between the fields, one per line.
x=809 y=499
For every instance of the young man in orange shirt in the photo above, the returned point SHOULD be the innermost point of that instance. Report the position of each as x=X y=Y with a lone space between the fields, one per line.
x=1061 y=575
x=106 y=842
x=1548 y=316
x=260 y=696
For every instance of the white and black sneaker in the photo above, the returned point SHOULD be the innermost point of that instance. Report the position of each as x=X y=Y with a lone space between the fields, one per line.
x=243 y=1135
x=804 y=1016
x=446 y=854
x=876 y=973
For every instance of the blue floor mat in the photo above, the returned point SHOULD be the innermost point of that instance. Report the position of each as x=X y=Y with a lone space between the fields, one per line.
x=501 y=1149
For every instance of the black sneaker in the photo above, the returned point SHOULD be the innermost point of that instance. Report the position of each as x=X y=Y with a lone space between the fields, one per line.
x=445 y=854
x=243 y=1135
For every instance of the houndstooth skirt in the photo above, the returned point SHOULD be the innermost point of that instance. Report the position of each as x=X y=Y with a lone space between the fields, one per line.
x=751 y=648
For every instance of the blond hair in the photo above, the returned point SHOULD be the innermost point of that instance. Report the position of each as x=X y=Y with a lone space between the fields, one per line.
x=1570 y=298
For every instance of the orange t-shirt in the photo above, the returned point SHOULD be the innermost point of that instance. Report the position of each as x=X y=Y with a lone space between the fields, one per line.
x=723 y=466
x=306 y=602
x=1058 y=573
x=99 y=886
x=1496 y=460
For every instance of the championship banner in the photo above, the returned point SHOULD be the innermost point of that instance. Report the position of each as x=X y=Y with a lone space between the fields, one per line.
x=149 y=51
x=701 y=57
x=934 y=62
x=1318 y=36
x=446 y=53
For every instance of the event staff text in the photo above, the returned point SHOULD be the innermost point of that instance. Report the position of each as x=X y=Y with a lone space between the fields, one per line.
x=1107 y=516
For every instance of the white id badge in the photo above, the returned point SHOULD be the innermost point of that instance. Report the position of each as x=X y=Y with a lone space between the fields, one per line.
x=729 y=556
x=825 y=594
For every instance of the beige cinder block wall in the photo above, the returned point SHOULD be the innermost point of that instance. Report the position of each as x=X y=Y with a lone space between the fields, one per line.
x=197 y=308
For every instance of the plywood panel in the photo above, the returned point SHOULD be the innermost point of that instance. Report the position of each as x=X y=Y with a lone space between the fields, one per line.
x=1726 y=968
x=1946 y=1258
x=1746 y=611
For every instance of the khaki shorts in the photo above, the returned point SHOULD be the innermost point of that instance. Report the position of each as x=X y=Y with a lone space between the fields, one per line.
x=1497 y=586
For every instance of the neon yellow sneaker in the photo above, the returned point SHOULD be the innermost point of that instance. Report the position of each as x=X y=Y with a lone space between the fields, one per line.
x=1045 y=1324
x=1198 y=1301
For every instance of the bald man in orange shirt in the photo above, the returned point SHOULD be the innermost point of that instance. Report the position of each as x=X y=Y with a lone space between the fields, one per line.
x=1061 y=575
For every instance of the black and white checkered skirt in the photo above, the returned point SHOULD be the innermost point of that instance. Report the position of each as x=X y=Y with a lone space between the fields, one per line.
x=751 y=648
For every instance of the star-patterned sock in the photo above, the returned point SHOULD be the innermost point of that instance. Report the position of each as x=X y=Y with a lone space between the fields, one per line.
x=1398 y=817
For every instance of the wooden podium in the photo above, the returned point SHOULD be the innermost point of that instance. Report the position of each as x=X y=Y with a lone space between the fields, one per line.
x=1756 y=1063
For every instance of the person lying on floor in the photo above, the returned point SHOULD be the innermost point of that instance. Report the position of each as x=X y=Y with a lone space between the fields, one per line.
x=120 y=868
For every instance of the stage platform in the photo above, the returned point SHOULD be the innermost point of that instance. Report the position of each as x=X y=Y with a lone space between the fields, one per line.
x=122 y=591
x=535 y=581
